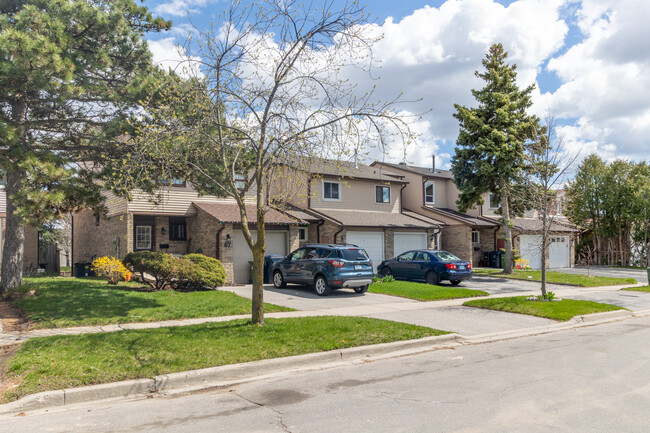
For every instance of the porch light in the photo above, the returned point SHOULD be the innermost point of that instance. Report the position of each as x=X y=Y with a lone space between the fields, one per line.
x=227 y=244
x=163 y=231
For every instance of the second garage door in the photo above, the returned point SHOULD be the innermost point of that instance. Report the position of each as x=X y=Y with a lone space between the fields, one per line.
x=276 y=243
x=372 y=242
x=409 y=241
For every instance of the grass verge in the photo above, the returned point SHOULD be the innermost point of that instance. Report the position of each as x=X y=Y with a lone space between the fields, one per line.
x=639 y=289
x=65 y=302
x=558 y=278
x=69 y=361
x=559 y=310
x=423 y=292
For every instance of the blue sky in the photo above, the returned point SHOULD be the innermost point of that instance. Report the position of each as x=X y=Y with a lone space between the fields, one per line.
x=588 y=58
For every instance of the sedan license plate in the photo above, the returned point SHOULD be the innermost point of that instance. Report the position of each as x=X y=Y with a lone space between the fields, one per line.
x=461 y=267
x=358 y=267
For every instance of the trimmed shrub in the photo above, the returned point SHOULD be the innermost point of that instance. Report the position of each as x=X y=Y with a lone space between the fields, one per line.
x=210 y=270
x=110 y=269
x=159 y=266
x=192 y=272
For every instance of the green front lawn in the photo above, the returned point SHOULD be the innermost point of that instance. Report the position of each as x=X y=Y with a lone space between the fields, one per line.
x=64 y=302
x=639 y=289
x=557 y=310
x=69 y=361
x=423 y=292
x=558 y=277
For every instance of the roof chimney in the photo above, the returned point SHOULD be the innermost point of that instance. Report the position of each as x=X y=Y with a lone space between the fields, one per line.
x=433 y=163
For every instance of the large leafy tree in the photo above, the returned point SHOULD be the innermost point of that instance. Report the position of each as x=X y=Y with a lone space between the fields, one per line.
x=71 y=72
x=270 y=91
x=492 y=142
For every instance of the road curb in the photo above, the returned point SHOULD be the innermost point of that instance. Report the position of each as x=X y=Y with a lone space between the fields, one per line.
x=230 y=375
x=222 y=376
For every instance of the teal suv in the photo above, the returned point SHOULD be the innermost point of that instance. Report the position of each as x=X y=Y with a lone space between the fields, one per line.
x=325 y=267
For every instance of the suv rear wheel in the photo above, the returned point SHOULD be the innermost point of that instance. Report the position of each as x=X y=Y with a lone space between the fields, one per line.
x=278 y=280
x=362 y=289
x=321 y=287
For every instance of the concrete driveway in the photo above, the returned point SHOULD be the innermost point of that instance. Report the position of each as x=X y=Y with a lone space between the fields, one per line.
x=447 y=315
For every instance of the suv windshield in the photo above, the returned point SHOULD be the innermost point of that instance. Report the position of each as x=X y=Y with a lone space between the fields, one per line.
x=353 y=254
x=445 y=256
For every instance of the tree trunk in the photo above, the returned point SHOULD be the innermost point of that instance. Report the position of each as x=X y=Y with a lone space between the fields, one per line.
x=11 y=275
x=258 y=282
x=507 y=231
x=544 y=246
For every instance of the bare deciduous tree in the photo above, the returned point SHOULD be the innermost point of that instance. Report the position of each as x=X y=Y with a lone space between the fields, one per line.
x=267 y=86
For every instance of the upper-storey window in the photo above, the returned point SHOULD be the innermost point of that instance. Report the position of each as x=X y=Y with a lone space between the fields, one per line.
x=331 y=190
x=173 y=182
x=240 y=181
x=493 y=201
x=382 y=194
x=429 y=192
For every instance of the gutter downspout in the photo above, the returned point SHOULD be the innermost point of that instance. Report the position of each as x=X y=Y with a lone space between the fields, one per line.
x=218 y=240
x=337 y=233
x=320 y=223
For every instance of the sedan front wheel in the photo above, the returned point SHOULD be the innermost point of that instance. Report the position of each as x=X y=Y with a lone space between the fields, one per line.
x=432 y=278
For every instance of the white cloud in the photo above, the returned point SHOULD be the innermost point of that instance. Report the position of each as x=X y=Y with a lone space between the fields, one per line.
x=181 y=7
x=605 y=80
x=167 y=54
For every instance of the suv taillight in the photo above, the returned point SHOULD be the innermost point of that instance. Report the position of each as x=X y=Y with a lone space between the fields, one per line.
x=336 y=263
x=450 y=266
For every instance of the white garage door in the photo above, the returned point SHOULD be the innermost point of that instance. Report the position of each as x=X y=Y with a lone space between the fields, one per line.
x=372 y=242
x=558 y=251
x=409 y=241
x=530 y=247
x=276 y=243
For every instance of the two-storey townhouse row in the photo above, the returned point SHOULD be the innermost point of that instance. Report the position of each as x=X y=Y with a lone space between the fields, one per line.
x=347 y=202
x=178 y=221
x=432 y=192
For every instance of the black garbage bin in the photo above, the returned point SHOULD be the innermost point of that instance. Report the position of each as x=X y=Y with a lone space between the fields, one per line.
x=82 y=269
x=268 y=267
x=494 y=257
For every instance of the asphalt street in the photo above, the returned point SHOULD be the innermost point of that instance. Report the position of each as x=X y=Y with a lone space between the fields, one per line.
x=594 y=379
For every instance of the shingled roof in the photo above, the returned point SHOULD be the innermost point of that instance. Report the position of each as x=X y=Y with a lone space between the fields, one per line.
x=229 y=213
x=348 y=169
x=359 y=218
x=424 y=171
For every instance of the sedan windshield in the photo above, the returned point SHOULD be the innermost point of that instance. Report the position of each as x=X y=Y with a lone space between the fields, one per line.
x=445 y=256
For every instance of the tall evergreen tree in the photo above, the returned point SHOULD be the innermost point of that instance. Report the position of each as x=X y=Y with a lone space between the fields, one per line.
x=71 y=73
x=491 y=144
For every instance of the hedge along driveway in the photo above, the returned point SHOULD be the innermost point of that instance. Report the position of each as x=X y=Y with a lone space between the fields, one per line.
x=65 y=302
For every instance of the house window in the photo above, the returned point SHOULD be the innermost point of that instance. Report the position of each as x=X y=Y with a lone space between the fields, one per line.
x=142 y=237
x=174 y=182
x=429 y=192
x=177 y=229
x=476 y=236
x=302 y=234
x=382 y=194
x=493 y=201
x=240 y=181
x=331 y=190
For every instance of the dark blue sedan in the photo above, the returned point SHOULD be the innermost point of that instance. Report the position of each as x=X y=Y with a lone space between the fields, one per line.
x=431 y=266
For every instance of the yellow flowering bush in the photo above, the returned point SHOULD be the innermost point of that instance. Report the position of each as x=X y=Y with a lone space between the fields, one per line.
x=522 y=264
x=111 y=269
